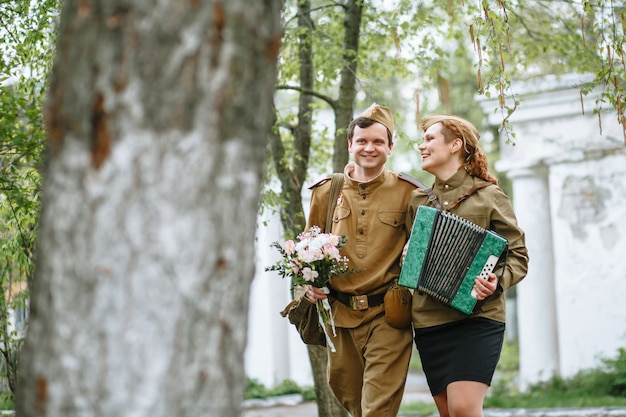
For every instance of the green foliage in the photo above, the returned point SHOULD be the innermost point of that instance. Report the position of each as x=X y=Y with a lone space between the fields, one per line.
x=27 y=31
x=6 y=401
x=607 y=380
x=255 y=389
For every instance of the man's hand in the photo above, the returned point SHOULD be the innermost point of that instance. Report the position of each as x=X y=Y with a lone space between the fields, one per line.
x=313 y=294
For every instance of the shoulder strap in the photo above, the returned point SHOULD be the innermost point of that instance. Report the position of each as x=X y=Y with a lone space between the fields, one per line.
x=336 y=185
x=469 y=193
x=431 y=196
x=320 y=182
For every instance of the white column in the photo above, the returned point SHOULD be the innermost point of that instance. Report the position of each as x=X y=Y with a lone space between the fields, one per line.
x=536 y=302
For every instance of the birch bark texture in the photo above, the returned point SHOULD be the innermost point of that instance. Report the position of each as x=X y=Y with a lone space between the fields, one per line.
x=157 y=121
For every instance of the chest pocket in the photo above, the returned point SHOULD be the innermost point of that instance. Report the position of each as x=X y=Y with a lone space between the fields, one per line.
x=393 y=218
x=340 y=214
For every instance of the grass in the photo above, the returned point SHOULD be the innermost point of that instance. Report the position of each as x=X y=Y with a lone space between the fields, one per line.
x=419 y=409
x=604 y=386
x=255 y=389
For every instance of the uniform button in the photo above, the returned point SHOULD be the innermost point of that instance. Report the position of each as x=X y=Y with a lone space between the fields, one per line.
x=395 y=222
x=364 y=196
x=362 y=211
x=363 y=186
x=361 y=231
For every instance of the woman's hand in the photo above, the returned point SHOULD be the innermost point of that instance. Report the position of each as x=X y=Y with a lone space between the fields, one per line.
x=313 y=294
x=404 y=253
x=483 y=288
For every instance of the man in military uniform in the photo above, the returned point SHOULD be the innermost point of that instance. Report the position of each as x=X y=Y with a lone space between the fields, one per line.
x=367 y=373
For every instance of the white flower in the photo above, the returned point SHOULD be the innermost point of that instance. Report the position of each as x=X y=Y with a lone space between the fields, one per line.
x=289 y=247
x=310 y=255
x=332 y=252
x=302 y=245
x=333 y=240
x=309 y=275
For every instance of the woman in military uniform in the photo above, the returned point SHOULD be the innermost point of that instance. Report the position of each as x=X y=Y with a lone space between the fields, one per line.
x=459 y=353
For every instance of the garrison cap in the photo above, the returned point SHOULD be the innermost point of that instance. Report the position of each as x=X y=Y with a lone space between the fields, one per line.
x=379 y=114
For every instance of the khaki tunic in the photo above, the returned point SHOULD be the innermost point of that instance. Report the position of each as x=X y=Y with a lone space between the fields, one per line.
x=367 y=373
x=372 y=216
x=491 y=209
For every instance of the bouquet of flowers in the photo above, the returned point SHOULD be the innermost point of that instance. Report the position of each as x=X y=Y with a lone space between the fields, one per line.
x=313 y=259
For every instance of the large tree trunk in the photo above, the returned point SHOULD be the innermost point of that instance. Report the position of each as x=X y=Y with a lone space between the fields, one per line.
x=327 y=404
x=156 y=119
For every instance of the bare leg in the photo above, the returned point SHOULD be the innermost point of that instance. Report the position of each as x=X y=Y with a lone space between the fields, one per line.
x=461 y=399
x=441 y=401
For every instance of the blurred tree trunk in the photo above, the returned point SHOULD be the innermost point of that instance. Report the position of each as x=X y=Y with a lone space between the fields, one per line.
x=327 y=403
x=145 y=249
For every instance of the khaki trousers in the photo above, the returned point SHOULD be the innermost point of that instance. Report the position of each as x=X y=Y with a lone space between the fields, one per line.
x=368 y=371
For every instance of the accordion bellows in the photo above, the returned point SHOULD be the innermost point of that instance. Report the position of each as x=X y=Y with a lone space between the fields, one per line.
x=445 y=255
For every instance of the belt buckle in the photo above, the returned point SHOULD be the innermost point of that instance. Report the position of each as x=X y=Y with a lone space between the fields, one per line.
x=359 y=302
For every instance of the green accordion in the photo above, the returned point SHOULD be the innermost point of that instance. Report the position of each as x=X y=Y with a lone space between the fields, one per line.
x=445 y=255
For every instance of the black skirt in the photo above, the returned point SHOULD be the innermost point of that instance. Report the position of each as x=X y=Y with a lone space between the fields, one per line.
x=465 y=350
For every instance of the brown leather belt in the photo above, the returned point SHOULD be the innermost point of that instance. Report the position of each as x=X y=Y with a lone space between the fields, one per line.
x=358 y=302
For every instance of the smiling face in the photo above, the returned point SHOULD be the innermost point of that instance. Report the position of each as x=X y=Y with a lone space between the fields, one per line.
x=440 y=156
x=370 y=148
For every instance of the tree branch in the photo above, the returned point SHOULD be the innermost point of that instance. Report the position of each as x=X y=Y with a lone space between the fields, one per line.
x=331 y=102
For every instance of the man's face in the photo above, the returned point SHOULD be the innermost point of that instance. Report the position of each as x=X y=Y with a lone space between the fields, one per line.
x=370 y=147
